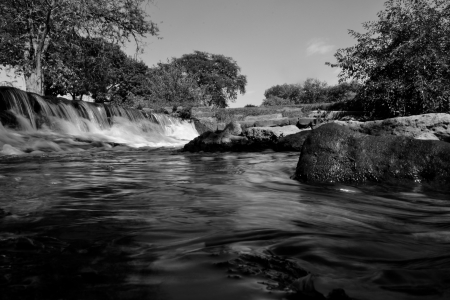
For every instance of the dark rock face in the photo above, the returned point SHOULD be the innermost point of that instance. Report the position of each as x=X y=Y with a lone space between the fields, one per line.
x=333 y=153
x=292 y=142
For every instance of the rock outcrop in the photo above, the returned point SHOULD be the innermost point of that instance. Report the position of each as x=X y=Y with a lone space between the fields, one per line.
x=426 y=126
x=234 y=138
x=292 y=142
x=334 y=153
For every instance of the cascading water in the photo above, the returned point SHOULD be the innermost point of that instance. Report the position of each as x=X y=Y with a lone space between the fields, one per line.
x=30 y=123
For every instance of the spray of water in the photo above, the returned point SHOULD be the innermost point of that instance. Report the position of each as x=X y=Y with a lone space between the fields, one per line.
x=33 y=124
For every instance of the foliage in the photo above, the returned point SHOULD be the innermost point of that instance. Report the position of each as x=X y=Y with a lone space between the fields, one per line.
x=250 y=105
x=402 y=59
x=343 y=92
x=313 y=91
x=276 y=101
x=29 y=28
x=310 y=91
x=289 y=92
x=170 y=84
x=218 y=75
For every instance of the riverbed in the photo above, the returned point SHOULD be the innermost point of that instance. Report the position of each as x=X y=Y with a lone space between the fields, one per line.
x=156 y=223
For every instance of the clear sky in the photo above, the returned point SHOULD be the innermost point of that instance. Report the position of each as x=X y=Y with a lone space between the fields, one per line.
x=273 y=41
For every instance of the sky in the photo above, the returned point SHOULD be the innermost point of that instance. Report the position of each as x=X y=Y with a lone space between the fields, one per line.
x=272 y=41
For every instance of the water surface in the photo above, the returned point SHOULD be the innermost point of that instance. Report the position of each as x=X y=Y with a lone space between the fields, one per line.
x=153 y=224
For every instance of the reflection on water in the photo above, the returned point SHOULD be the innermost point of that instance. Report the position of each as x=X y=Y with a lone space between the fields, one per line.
x=150 y=224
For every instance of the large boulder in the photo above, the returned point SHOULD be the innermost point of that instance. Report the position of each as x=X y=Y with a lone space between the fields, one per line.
x=334 y=153
x=426 y=126
x=292 y=142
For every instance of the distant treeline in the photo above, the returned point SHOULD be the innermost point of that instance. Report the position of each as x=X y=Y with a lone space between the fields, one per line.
x=310 y=91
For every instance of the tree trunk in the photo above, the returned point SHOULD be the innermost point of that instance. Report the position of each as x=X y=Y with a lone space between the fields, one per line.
x=34 y=82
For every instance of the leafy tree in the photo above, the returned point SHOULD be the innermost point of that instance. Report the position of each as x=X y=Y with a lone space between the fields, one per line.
x=313 y=91
x=83 y=66
x=128 y=84
x=403 y=59
x=343 y=91
x=291 y=92
x=170 y=84
x=29 y=27
x=220 y=76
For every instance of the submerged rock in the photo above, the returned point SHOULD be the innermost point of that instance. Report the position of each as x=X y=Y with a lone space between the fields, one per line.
x=278 y=274
x=334 y=153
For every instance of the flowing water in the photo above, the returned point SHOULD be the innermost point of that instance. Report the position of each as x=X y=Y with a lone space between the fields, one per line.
x=99 y=214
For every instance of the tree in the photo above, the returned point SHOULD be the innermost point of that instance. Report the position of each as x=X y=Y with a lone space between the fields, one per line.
x=290 y=92
x=170 y=84
x=314 y=91
x=403 y=59
x=220 y=76
x=342 y=91
x=29 y=27
x=84 y=66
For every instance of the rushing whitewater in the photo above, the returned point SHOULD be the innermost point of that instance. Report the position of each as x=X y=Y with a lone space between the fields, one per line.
x=34 y=124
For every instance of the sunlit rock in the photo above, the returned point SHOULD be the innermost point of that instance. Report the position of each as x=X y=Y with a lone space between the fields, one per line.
x=269 y=133
x=334 y=153
x=426 y=126
x=233 y=138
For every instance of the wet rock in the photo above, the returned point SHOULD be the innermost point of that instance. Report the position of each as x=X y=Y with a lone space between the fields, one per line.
x=233 y=128
x=265 y=134
x=277 y=274
x=201 y=127
x=280 y=273
x=292 y=142
x=334 y=153
x=233 y=138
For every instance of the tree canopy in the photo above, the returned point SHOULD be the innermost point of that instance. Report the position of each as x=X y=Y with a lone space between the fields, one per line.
x=219 y=75
x=29 y=27
x=310 y=91
x=403 y=59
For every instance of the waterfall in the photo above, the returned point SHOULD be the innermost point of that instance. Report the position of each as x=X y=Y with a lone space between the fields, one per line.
x=31 y=123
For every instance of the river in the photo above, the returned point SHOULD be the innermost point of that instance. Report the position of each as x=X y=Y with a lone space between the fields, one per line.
x=97 y=203
x=154 y=223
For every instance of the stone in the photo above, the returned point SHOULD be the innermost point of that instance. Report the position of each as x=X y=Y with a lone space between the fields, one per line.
x=413 y=126
x=269 y=133
x=306 y=122
x=292 y=142
x=233 y=138
x=233 y=128
x=334 y=153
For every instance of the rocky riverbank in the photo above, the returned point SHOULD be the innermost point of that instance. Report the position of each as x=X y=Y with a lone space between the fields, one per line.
x=411 y=148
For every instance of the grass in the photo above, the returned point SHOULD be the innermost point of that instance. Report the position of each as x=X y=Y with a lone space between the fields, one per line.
x=227 y=115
